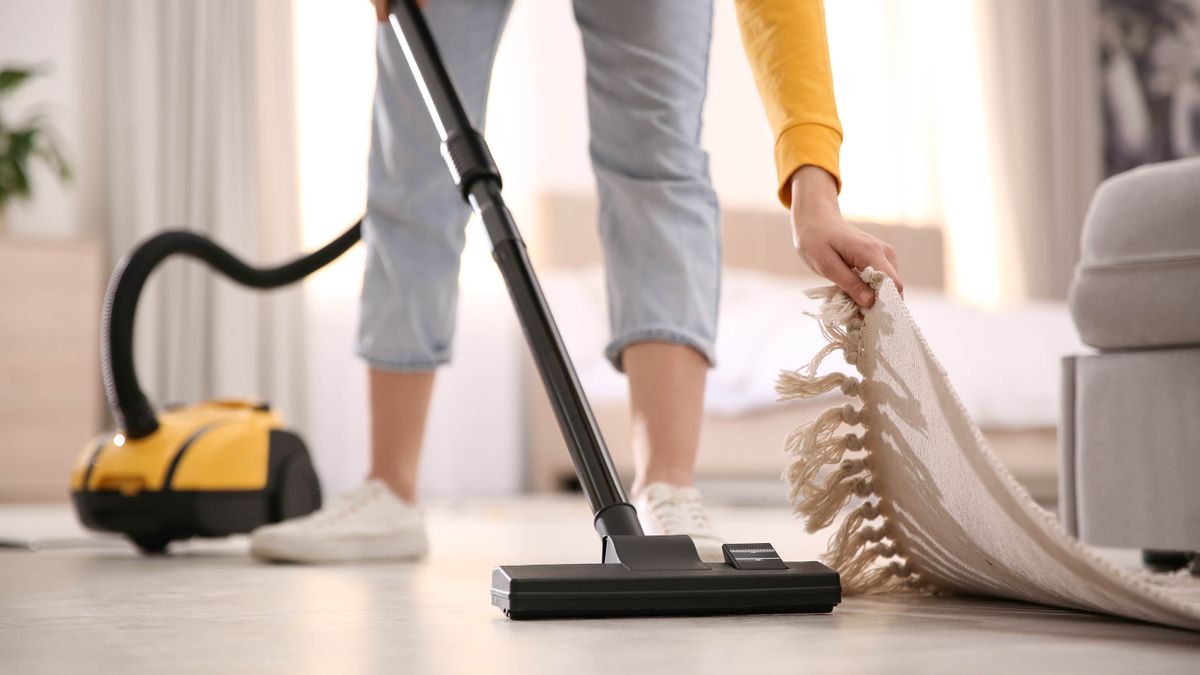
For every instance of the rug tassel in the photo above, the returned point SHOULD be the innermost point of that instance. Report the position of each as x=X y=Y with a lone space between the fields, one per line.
x=838 y=321
x=824 y=504
x=793 y=385
x=876 y=580
x=853 y=570
x=893 y=577
x=814 y=446
x=841 y=545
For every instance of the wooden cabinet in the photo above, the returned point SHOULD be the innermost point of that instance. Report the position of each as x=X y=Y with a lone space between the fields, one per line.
x=51 y=401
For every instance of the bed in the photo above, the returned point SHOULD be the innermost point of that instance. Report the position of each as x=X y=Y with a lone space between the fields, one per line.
x=1005 y=363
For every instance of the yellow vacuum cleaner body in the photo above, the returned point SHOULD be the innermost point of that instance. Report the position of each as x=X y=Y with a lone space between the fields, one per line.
x=208 y=470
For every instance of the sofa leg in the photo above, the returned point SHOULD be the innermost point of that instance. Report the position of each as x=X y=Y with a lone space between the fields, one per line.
x=1168 y=561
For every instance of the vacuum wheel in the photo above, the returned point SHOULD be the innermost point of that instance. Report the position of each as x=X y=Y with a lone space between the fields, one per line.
x=1165 y=561
x=151 y=544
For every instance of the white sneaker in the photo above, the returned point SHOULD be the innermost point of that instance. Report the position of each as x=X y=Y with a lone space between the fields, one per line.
x=666 y=509
x=368 y=523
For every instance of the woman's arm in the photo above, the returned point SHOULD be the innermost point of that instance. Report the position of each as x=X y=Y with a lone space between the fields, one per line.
x=788 y=50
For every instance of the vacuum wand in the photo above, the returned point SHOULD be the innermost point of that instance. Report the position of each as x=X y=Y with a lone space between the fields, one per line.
x=478 y=179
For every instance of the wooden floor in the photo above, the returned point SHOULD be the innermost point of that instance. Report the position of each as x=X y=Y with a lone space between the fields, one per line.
x=209 y=609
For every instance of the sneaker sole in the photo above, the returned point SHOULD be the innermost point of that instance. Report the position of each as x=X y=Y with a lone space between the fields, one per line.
x=400 y=547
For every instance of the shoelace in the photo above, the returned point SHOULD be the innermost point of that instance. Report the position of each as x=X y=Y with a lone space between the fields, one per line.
x=345 y=505
x=681 y=514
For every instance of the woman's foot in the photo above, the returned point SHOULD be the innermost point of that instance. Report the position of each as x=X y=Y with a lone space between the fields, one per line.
x=668 y=509
x=367 y=523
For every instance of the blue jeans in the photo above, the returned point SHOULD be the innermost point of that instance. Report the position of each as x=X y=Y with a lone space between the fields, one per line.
x=647 y=63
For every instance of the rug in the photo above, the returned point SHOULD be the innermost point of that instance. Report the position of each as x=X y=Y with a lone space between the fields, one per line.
x=924 y=505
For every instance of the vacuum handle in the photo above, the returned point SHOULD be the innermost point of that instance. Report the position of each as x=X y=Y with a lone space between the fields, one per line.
x=478 y=180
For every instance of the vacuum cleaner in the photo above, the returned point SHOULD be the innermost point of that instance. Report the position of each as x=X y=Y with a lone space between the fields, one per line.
x=205 y=470
x=242 y=468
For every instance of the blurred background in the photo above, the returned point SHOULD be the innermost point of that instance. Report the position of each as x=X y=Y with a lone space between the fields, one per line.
x=975 y=133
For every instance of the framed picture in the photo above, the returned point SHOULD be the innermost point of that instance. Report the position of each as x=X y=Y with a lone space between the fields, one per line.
x=1150 y=79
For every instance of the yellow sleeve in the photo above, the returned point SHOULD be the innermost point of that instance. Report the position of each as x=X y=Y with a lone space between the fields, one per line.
x=788 y=50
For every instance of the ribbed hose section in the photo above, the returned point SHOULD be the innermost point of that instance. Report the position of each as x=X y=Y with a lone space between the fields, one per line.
x=128 y=403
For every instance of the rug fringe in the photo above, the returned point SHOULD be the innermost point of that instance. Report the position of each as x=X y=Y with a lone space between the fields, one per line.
x=865 y=557
x=839 y=322
x=814 y=445
x=821 y=505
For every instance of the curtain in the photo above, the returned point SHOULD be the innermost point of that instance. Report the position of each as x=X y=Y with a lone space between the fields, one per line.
x=978 y=117
x=1040 y=65
x=201 y=136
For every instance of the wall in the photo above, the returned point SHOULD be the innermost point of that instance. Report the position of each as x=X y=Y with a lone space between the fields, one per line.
x=65 y=36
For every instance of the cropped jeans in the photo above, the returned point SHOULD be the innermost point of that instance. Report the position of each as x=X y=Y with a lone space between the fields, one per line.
x=647 y=63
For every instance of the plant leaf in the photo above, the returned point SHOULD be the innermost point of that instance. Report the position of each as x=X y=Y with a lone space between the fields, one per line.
x=6 y=181
x=49 y=151
x=20 y=144
x=11 y=78
x=35 y=138
x=20 y=182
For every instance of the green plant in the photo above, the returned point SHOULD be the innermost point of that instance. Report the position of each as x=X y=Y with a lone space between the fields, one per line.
x=21 y=143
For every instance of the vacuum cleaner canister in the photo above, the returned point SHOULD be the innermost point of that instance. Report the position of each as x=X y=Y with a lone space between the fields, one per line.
x=208 y=470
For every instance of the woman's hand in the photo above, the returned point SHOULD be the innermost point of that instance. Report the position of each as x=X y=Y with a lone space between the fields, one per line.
x=829 y=245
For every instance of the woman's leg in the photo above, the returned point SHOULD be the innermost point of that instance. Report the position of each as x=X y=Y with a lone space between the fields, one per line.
x=647 y=65
x=666 y=397
x=399 y=407
x=414 y=234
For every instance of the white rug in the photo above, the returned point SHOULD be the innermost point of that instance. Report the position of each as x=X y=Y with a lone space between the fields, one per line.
x=931 y=509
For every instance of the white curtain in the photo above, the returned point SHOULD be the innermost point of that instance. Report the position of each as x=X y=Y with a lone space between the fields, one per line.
x=201 y=136
x=980 y=117
x=1041 y=69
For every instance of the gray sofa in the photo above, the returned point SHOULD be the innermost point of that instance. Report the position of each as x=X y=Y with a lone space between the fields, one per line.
x=1130 y=463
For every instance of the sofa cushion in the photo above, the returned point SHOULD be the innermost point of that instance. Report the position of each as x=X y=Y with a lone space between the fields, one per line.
x=1138 y=280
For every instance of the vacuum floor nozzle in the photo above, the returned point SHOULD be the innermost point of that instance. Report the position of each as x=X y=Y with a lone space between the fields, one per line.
x=646 y=585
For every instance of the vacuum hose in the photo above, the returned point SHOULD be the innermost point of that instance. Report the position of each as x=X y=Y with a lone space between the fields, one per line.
x=128 y=403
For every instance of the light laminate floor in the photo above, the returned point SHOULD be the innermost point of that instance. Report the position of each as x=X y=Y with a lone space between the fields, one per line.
x=209 y=609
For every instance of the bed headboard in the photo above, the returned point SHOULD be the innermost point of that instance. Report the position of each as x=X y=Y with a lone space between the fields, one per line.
x=562 y=234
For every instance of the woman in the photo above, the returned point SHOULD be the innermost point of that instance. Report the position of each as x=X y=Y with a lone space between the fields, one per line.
x=646 y=79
